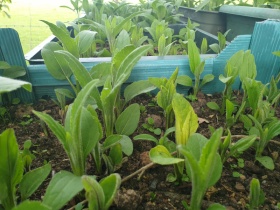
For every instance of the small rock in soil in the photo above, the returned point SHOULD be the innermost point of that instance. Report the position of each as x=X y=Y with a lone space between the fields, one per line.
x=240 y=187
x=145 y=158
x=128 y=199
x=250 y=166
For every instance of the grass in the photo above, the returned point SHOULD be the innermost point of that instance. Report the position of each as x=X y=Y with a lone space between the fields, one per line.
x=26 y=16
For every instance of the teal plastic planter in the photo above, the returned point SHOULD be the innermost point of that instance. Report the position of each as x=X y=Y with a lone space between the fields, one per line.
x=267 y=64
x=242 y=19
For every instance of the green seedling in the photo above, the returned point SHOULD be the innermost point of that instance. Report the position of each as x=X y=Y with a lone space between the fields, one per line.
x=164 y=97
x=196 y=67
x=12 y=168
x=228 y=149
x=164 y=140
x=150 y=126
x=26 y=155
x=217 y=48
x=256 y=197
x=100 y=195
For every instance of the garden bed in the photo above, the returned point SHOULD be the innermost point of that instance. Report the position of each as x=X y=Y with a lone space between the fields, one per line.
x=150 y=190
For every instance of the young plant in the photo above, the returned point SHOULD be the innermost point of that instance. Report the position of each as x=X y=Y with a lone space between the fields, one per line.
x=164 y=97
x=161 y=36
x=150 y=126
x=265 y=132
x=217 y=48
x=81 y=131
x=256 y=197
x=164 y=140
x=186 y=124
x=196 y=67
x=101 y=195
x=27 y=156
x=203 y=164
x=12 y=168
x=228 y=149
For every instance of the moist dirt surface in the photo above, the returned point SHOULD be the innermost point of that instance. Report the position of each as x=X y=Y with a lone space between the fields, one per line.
x=149 y=189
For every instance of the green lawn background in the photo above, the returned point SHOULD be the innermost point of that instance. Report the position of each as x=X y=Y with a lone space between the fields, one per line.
x=26 y=16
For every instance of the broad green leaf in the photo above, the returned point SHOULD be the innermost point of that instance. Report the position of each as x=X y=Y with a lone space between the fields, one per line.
x=184 y=80
x=125 y=66
x=116 y=154
x=274 y=129
x=8 y=85
x=137 y=88
x=88 y=131
x=32 y=180
x=147 y=137
x=127 y=145
x=31 y=205
x=255 y=193
x=128 y=120
x=162 y=156
x=215 y=47
x=216 y=206
x=242 y=144
x=111 y=141
x=4 y=65
x=224 y=79
x=57 y=66
x=161 y=44
x=204 y=46
x=210 y=161
x=62 y=188
x=101 y=71
x=64 y=92
x=194 y=56
x=122 y=40
x=186 y=120
x=207 y=78
x=266 y=161
x=195 y=144
x=11 y=168
x=84 y=40
x=110 y=186
x=94 y=193
x=80 y=72
x=14 y=72
x=246 y=121
x=247 y=66
x=213 y=105
x=277 y=53
x=68 y=43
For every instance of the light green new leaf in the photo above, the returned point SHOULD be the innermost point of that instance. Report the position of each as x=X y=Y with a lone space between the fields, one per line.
x=247 y=66
x=207 y=78
x=11 y=168
x=184 y=80
x=243 y=144
x=162 y=156
x=216 y=206
x=194 y=56
x=124 y=67
x=32 y=180
x=128 y=120
x=110 y=141
x=62 y=188
x=215 y=47
x=122 y=40
x=68 y=43
x=94 y=193
x=146 y=137
x=277 y=53
x=224 y=79
x=186 y=120
x=137 y=88
x=110 y=186
x=84 y=40
x=31 y=205
x=213 y=105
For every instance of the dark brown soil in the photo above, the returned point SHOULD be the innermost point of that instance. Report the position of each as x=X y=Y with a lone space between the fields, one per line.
x=150 y=190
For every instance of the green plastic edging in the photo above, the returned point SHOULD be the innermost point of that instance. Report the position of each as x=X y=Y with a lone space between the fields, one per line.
x=255 y=12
